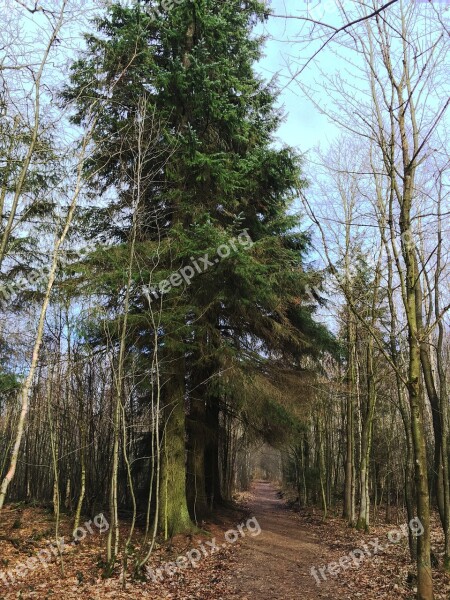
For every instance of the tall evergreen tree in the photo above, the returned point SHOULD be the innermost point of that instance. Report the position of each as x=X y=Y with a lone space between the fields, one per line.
x=217 y=173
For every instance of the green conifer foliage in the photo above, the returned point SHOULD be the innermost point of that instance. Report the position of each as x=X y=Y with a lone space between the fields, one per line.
x=214 y=174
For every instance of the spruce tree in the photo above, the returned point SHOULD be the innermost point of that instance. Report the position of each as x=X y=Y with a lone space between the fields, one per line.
x=216 y=175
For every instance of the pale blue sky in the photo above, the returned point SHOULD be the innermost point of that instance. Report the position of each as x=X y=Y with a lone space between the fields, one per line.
x=305 y=127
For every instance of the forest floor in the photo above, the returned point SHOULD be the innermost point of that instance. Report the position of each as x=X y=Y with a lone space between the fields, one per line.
x=278 y=564
x=269 y=555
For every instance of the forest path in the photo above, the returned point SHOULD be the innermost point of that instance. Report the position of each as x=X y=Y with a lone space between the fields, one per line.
x=276 y=564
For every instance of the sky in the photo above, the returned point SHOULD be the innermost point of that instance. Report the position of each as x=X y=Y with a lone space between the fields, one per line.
x=286 y=50
x=304 y=127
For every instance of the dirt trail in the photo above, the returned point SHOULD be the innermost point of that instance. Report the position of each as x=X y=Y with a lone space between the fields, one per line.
x=276 y=564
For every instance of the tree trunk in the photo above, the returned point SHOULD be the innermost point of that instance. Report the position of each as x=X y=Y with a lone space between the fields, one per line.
x=366 y=443
x=413 y=300
x=349 y=486
x=174 y=514
x=213 y=487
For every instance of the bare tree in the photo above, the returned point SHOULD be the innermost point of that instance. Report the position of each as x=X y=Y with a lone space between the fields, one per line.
x=395 y=114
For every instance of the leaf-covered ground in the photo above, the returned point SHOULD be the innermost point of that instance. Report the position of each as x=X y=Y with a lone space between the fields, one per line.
x=27 y=531
x=388 y=573
x=275 y=564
